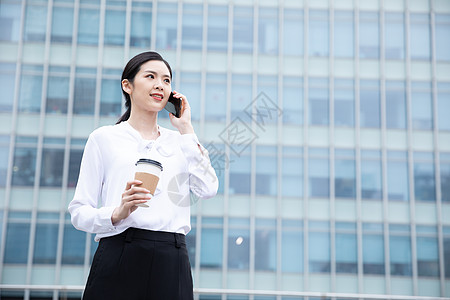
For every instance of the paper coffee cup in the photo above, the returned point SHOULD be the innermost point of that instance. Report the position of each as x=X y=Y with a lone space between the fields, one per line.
x=148 y=171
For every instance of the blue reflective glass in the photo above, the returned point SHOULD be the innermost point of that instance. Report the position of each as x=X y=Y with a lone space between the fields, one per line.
x=443 y=106
x=346 y=253
x=344 y=38
x=266 y=246
x=427 y=256
x=394 y=35
x=192 y=27
x=211 y=248
x=74 y=244
x=240 y=174
x=84 y=103
x=344 y=103
x=319 y=177
x=141 y=27
x=442 y=28
x=371 y=179
x=397 y=177
x=292 y=250
x=24 y=166
x=190 y=85
x=293 y=29
x=238 y=248
x=319 y=252
x=421 y=105
x=74 y=166
x=111 y=97
x=266 y=109
x=319 y=104
x=7 y=80
x=292 y=100
x=447 y=257
x=266 y=174
x=62 y=24
x=268 y=30
x=241 y=95
x=243 y=29
x=30 y=93
x=52 y=167
x=88 y=26
x=57 y=94
x=369 y=35
x=345 y=181
x=373 y=254
x=445 y=181
x=216 y=97
x=318 y=33
x=400 y=255
x=115 y=27
x=4 y=156
x=217 y=28
x=424 y=179
x=420 y=45
x=16 y=243
x=10 y=22
x=369 y=99
x=35 y=23
x=292 y=176
x=395 y=105
x=166 y=26
x=45 y=244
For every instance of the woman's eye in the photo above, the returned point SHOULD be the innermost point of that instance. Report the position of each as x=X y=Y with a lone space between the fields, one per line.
x=167 y=81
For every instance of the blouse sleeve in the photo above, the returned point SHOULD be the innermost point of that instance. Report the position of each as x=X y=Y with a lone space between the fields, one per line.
x=203 y=181
x=83 y=208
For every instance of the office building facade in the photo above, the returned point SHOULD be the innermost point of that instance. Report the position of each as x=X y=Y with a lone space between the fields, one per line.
x=327 y=121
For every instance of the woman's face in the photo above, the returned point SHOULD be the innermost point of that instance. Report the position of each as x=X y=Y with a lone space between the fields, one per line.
x=151 y=87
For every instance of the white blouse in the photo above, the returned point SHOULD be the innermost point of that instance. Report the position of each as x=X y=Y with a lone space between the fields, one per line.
x=108 y=163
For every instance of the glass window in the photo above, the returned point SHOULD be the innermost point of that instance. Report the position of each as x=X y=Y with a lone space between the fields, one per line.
x=166 y=26
x=421 y=105
x=445 y=176
x=443 y=105
x=190 y=85
x=345 y=170
x=319 y=247
x=46 y=238
x=292 y=172
x=447 y=251
x=62 y=24
x=346 y=248
x=30 y=93
x=211 y=243
x=115 y=27
x=111 y=97
x=395 y=105
x=217 y=28
x=371 y=186
x=394 y=35
x=265 y=105
x=4 y=156
x=10 y=15
x=141 y=25
x=74 y=244
x=369 y=35
x=191 y=241
x=52 y=165
x=35 y=23
x=292 y=254
x=442 y=38
x=319 y=173
x=17 y=238
x=293 y=100
x=57 y=93
x=293 y=32
x=238 y=243
x=88 y=26
x=373 y=249
x=268 y=30
x=319 y=104
x=369 y=99
x=241 y=95
x=84 y=94
x=192 y=27
x=400 y=250
x=344 y=37
x=266 y=170
x=427 y=251
x=397 y=176
x=424 y=178
x=76 y=153
x=24 y=166
x=420 y=45
x=240 y=170
x=220 y=161
x=344 y=102
x=7 y=84
x=216 y=97
x=243 y=29
x=266 y=245
x=318 y=38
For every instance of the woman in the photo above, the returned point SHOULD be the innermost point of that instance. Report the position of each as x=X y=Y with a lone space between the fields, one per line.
x=142 y=251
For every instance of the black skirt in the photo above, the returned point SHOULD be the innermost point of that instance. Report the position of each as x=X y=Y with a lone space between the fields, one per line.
x=140 y=264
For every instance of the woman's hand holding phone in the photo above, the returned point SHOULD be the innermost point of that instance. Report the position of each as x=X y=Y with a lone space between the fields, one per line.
x=183 y=123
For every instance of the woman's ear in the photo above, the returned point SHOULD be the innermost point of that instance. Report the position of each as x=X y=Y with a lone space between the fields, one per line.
x=126 y=86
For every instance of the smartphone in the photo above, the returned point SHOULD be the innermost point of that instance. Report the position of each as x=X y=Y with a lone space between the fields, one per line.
x=174 y=105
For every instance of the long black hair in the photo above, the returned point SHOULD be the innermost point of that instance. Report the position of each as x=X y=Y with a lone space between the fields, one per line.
x=130 y=71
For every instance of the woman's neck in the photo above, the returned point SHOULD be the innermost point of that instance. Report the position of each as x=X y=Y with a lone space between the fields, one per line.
x=146 y=124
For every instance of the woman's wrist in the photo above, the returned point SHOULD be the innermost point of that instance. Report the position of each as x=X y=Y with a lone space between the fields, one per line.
x=187 y=129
